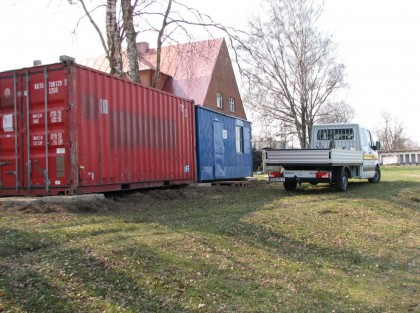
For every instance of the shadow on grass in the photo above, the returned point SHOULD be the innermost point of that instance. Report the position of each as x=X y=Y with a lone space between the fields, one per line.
x=224 y=217
x=41 y=277
x=69 y=278
x=60 y=279
x=229 y=222
x=393 y=192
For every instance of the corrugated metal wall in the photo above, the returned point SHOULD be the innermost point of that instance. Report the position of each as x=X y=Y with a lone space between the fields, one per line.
x=103 y=133
x=223 y=146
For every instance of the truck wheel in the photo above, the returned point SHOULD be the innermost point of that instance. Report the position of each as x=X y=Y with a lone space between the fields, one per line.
x=377 y=177
x=342 y=180
x=290 y=185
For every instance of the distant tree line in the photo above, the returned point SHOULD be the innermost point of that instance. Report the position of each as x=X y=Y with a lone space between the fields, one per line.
x=392 y=136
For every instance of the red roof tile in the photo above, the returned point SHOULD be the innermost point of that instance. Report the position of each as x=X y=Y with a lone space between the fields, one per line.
x=190 y=65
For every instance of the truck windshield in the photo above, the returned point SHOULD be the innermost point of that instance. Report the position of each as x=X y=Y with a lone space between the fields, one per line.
x=335 y=134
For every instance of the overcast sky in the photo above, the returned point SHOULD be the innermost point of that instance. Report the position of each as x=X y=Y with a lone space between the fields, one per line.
x=378 y=42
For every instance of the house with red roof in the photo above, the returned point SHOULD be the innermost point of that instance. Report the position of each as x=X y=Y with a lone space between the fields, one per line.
x=201 y=71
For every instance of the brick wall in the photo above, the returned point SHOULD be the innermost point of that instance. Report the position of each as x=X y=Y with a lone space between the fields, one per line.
x=223 y=81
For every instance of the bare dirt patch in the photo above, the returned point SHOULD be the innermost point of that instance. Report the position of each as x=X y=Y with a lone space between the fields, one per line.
x=120 y=201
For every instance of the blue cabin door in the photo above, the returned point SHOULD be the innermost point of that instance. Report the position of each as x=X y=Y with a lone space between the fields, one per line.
x=218 y=150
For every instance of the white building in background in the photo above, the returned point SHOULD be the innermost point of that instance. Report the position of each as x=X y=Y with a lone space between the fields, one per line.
x=400 y=157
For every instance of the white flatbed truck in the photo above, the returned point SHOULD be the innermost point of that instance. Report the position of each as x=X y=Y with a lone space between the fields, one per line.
x=337 y=152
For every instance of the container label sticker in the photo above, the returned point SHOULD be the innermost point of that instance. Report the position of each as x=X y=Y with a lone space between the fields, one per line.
x=61 y=150
x=103 y=106
x=7 y=92
x=224 y=133
x=56 y=139
x=38 y=86
x=37 y=118
x=37 y=140
x=8 y=122
x=57 y=182
x=183 y=110
x=53 y=87
x=56 y=116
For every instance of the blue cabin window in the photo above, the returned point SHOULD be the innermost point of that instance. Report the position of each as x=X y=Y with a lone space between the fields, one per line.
x=239 y=130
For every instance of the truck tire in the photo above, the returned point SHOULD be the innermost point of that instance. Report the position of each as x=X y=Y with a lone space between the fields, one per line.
x=377 y=177
x=290 y=185
x=341 y=180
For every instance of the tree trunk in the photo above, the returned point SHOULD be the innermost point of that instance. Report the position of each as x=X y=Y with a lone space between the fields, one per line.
x=131 y=36
x=113 y=37
x=159 y=44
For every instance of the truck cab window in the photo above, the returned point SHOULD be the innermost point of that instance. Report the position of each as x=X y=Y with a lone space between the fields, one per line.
x=369 y=138
x=364 y=138
x=335 y=134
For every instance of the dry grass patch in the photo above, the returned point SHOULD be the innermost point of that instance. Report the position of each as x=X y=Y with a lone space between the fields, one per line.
x=219 y=249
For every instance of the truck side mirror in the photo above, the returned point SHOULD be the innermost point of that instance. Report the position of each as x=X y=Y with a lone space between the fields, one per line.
x=377 y=146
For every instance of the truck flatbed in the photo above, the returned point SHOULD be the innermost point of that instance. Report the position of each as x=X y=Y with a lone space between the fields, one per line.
x=336 y=153
x=306 y=157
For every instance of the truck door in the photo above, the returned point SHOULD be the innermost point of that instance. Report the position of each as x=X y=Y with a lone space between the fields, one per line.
x=218 y=150
x=370 y=156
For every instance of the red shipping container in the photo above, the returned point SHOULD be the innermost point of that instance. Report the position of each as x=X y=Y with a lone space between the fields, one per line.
x=69 y=129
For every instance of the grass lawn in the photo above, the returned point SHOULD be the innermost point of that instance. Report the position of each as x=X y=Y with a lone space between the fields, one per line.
x=219 y=249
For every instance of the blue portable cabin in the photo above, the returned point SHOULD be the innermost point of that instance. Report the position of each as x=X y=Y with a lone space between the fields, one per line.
x=223 y=145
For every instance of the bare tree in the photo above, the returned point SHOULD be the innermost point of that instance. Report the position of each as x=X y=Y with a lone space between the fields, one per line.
x=113 y=36
x=131 y=36
x=391 y=134
x=112 y=44
x=290 y=66
x=116 y=31
x=169 y=19
x=172 y=20
x=160 y=40
x=335 y=112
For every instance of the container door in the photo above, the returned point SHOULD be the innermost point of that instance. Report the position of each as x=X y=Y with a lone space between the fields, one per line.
x=218 y=150
x=9 y=135
x=33 y=149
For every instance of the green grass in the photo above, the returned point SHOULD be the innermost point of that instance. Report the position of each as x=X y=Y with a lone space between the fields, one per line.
x=244 y=249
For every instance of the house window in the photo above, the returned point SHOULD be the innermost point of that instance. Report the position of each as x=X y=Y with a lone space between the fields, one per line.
x=232 y=104
x=239 y=130
x=219 y=97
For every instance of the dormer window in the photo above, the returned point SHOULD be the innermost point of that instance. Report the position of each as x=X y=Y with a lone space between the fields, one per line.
x=219 y=99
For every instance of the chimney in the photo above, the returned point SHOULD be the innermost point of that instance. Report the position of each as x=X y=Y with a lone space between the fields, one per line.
x=37 y=62
x=142 y=47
